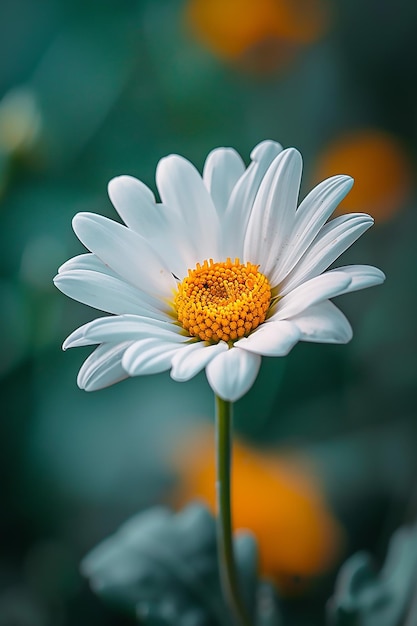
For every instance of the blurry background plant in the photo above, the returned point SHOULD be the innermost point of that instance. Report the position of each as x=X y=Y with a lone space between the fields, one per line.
x=380 y=166
x=261 y=37
x=280 y=498
x=95 y=89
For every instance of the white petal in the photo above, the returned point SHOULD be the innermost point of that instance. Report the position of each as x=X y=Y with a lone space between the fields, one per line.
x=231 y=374
x=310 y=217
x=126 y=252
x=272 y=218
x=311 y=292
x=193 y=358
x=149 y=356
x=323 y=323
x=103 y=367
x=222 y=170
x=123 y=328
x=181 y=188
x=109 y=294
x=86 y=262
x=362 y=276
x=163 y=227
x=133 y=201
x=241 y=201
x=334 y=238
x=271 y=339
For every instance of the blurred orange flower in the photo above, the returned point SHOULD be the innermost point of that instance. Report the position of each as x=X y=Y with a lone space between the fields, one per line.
x=380 y=167
x=262 y=34
x=279 y=498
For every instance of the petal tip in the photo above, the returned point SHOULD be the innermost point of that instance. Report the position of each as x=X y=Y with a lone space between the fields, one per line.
x=82 y=382
x=69 y=343
x=265 y=146
x=348 y=338
x=79 y=221
x=291 y=154
x=345 y=181
x=112 y=184
x=380 y=276
x=58 y=280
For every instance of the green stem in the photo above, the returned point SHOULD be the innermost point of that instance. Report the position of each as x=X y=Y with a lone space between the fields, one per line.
x=228 y=573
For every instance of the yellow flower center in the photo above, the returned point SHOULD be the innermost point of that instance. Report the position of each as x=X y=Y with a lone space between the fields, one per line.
x=222 y=301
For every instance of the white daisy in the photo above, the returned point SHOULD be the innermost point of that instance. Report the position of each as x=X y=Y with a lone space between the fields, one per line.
x=225 y=270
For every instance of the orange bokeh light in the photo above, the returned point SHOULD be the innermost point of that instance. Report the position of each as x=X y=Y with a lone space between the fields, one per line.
x=278 y=498
x=265 y=33
x=380 y=167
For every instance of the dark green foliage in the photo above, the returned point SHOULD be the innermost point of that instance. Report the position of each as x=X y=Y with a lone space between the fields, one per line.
x=163 y=567
x=366 y=597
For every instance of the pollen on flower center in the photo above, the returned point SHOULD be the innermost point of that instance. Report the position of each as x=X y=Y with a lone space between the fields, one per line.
x=222 y=301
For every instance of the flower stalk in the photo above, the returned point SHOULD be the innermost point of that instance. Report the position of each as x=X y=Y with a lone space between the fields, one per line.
x=227 y=565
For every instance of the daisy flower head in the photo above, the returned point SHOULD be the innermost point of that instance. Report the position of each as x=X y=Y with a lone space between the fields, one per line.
x=225 y=269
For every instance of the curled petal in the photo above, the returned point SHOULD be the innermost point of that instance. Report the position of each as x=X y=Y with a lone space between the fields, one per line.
x=193 y=358
x=123 y=328
x=271 y=339
x=310 y=217
x=323 y=323
x=231 y=374
x=103 y=367
x=108 y=293
x=149 y=356
x=334 y=238
x=86 y=262
x=311 y=292
x=362 y=276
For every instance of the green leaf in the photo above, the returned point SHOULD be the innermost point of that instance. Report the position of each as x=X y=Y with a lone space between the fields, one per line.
x=163 y=567
x=365 y=597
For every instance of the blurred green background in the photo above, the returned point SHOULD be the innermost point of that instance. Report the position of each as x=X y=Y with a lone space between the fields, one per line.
x=90 y=90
